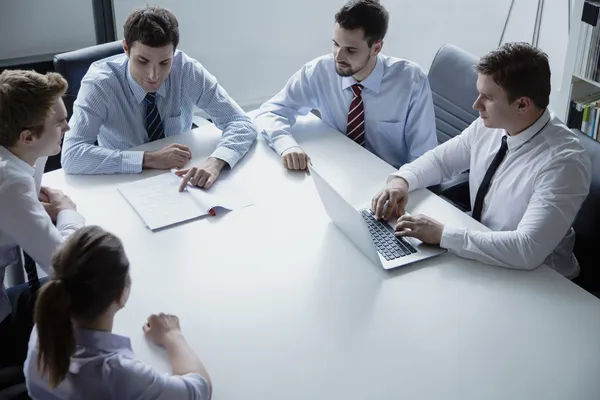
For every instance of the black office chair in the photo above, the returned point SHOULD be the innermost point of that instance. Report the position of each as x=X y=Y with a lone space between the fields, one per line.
x=12 y=384
x=73 y=66
x=453 y=83
x=587 y=223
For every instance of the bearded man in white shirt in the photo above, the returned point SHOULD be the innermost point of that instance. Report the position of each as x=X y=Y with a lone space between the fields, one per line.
x=32 y=124
x=528 y=175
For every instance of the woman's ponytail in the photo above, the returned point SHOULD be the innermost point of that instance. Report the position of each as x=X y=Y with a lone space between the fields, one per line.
x=55 y=331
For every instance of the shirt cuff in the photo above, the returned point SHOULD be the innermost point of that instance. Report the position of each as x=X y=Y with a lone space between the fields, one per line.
x=409 y=177
x=69 y=218
x=453 y=238
x=199 y=383
x=284 y=143
x=132 y=162
x=231 y=157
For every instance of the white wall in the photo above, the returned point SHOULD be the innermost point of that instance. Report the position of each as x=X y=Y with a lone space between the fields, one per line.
x=34 y=27
x=553 y=38
x=253 y=47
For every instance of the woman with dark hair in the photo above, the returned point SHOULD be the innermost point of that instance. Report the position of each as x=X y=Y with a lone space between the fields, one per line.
x=72 y=352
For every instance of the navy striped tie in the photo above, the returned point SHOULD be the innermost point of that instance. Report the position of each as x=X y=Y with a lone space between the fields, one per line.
x=154 y=125
x=32 y=275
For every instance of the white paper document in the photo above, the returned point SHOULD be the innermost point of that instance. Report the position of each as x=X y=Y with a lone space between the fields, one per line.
x=159 y=203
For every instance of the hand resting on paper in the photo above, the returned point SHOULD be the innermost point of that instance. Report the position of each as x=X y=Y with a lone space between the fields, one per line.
x=202 y=175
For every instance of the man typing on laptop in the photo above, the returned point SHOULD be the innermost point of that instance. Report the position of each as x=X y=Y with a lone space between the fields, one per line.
x=528 y=174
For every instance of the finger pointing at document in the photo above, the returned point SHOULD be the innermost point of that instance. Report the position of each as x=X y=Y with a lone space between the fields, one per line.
x=202 y=175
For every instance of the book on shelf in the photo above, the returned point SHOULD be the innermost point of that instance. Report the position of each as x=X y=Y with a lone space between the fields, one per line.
x=584 y=114
x=587 y=61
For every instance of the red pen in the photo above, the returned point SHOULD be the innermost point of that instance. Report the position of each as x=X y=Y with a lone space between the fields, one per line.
x=212 y=212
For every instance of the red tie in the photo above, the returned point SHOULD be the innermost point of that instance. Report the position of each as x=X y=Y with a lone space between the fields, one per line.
x=356 y=116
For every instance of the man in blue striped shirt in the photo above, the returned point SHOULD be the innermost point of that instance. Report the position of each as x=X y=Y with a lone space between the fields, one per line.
x=146 y=94
x=382 y=103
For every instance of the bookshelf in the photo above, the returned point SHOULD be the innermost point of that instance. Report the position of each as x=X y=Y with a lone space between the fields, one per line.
x=580 y=97
x=577 y=79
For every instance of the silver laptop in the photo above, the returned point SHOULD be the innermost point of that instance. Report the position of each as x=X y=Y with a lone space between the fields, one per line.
x=373 y=237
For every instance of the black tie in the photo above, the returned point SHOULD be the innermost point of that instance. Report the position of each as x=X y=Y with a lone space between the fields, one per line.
x=32 y=277
x=154 y=125
x=487 y=179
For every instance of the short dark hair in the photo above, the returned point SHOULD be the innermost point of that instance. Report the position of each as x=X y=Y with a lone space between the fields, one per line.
x=152 y=26
x=368 y=15
x=521 y=70
x=91 y=271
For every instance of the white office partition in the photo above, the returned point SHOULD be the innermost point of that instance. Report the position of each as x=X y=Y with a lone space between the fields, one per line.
x=36 y=27
x=253 y=47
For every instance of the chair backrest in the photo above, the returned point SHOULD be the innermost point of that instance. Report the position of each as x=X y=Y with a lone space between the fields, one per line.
x=75 y=64
x=453 y=84
x=12 y=383
x=587 y=223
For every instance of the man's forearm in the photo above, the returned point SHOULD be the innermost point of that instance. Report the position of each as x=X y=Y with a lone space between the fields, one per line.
x=219 y=163
x=438 y=165
x=86 y=159
x=238 y=138
x=421 y=173
x=509 y=249
x=275 y=124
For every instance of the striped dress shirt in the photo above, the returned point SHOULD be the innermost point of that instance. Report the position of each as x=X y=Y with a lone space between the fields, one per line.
x=110 y=109
x=399 y=120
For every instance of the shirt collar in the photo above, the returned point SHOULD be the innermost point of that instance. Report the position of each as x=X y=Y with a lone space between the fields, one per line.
x=373 y=81
x=101 y=340
x=523 y=137
x=22 y=165
x=138 y=91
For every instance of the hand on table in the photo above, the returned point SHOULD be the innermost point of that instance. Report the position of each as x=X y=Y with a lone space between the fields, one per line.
x=390 y=201
x=422 y=227
x=160 y=327
x=43 y=196
x=295 y=159
x=202 y=175
x=173 y=156
x=55 y=201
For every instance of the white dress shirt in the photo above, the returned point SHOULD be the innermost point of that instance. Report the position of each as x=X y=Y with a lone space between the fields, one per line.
x=23 y=220
x=399 y=118
x=533 y=198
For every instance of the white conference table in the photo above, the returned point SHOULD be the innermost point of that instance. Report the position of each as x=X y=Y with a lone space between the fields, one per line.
x=280 y=305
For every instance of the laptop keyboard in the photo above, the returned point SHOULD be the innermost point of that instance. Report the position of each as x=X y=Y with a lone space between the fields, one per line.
x=388 y=245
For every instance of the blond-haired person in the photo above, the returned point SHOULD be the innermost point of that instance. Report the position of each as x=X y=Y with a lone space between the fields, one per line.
x=33 y=218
